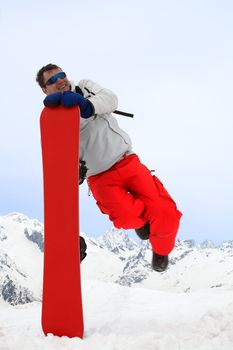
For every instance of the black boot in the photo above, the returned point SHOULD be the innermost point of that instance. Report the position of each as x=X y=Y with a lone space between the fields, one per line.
x=159 y=262
x=143 y=232
x=83 y=248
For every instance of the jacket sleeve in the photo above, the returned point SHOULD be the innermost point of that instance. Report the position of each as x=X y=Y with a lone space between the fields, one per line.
x=103 y=100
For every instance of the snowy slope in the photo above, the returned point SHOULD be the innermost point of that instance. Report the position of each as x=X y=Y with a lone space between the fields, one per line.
x=126 y=305
x=124 y=318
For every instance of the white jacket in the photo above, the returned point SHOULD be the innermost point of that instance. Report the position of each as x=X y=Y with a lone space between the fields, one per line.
x=102 y=141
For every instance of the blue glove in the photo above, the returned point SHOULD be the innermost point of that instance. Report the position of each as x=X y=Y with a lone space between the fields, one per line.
x=53 y=100
x=70 y=99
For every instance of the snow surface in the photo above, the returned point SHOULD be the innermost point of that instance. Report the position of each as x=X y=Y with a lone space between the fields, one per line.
x=126 y=305
x=124 y=318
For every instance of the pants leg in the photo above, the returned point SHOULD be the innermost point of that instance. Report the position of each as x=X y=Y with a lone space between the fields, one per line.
x=114 y=199
x=160 y=209
x=131 y=196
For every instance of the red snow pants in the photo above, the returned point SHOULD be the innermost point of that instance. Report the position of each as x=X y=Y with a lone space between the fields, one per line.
x=131 y=196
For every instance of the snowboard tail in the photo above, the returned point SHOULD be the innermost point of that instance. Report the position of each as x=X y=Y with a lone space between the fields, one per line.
x=62 y=313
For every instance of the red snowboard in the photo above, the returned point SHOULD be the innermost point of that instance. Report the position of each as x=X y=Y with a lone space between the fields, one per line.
x=62 y=301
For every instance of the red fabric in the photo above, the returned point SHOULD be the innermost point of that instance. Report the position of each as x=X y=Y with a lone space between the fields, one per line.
x=131 y=196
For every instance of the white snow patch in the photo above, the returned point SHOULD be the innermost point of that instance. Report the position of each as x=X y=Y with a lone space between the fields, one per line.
x=123 y=318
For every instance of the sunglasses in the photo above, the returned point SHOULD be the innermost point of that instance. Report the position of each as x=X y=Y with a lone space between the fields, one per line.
x=53 y=79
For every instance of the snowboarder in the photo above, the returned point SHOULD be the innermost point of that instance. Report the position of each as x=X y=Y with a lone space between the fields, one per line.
x=122 y=186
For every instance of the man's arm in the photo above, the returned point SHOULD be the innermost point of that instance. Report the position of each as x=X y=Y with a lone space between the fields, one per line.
x=103 y=100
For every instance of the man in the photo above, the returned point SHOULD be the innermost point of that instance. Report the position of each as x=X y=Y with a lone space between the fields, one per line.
x=123 y=187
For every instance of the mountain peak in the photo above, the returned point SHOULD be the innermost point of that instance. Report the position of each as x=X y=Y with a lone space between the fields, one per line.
x=17 y=217
x=117 y=241
x=207 y=244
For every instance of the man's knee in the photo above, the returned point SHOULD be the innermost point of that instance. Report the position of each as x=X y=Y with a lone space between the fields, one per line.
x=128 y=216
x=166 y=220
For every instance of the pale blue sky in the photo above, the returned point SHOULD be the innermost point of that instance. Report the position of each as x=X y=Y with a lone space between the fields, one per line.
x=169 y=62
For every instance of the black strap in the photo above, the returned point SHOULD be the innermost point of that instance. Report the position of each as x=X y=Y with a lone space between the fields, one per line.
x=79 y=91
x=89 y=92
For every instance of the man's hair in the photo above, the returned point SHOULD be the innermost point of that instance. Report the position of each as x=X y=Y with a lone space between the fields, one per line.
x=39 y=76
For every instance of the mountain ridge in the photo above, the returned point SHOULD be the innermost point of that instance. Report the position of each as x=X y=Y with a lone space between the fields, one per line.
x=112 y=257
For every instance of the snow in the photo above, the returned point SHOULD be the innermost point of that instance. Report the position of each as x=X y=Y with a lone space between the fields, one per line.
x=188 y=307
x=124 y=318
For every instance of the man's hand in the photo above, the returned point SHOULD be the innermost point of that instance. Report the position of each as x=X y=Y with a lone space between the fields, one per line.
x=53 y=100
x=70 y=99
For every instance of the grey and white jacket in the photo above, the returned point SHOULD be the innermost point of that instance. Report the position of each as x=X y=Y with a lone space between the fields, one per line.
x=102 y=142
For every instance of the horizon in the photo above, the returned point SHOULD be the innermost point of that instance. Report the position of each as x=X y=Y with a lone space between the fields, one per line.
x=132 y=235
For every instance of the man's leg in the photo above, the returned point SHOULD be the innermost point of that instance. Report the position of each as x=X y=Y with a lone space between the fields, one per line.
x=132 y=197
x=113 y=199
x=160 y=209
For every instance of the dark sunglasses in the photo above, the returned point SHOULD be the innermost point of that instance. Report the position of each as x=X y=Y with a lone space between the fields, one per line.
x=53 y=79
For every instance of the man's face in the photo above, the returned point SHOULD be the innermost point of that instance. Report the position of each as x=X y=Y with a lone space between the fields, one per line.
x=60 y=85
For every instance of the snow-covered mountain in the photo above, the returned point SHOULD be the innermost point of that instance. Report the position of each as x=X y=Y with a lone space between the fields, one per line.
x=113 y=257
x=21 y=258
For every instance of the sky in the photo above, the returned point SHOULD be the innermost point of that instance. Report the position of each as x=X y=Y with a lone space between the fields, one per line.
x=169 y=62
